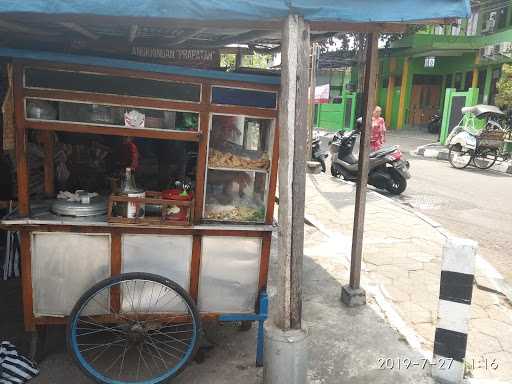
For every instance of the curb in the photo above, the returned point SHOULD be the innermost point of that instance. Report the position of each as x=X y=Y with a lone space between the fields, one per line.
x=441 y=153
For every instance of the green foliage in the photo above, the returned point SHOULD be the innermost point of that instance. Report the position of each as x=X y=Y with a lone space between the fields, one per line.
x=504 y=86
x=255 y=60
x=388 y=38
x=228 y=61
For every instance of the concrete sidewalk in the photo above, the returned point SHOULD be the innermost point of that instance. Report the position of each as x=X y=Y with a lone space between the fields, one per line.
x=402 y=259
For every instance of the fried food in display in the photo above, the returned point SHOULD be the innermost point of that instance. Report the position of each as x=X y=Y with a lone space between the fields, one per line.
x=228 y=160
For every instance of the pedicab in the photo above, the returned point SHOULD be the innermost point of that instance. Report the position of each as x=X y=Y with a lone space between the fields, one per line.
x=478 y=137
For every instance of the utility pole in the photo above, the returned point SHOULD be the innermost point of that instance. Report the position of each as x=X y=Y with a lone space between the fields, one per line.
x=285 y=359
x=311 y=101
x=352 y=294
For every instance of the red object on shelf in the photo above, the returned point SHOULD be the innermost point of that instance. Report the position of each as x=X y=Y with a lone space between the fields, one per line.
x=175 y=194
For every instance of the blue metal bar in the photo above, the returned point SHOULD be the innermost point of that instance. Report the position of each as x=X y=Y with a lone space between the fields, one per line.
x=260 y=317
x=264 y=312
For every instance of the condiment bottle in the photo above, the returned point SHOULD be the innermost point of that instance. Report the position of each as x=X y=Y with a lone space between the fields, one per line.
x=129 y=188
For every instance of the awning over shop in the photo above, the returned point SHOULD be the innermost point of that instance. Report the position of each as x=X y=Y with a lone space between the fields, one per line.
x=255 y=10
x=56 y=57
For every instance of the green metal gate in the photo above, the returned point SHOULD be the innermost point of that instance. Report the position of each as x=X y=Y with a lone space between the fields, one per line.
x=337 y=116
x=453 y=102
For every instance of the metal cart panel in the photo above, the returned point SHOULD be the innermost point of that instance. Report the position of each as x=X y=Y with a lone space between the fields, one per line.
x=228 y=281
x=164 y=255
x=64 y=266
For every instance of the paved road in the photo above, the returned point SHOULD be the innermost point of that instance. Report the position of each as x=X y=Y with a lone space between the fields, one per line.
x=470 y=203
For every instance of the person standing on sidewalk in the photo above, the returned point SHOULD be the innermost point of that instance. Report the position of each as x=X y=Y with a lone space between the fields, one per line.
x=378 y=135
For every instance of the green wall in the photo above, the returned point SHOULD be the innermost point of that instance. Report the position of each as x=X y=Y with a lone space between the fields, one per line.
x=333 y=117
x=444 y=66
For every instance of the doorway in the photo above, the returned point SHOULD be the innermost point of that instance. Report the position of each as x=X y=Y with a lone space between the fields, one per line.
x=425 y=99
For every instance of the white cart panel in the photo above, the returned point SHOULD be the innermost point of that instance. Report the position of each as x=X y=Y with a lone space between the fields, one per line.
x=228 y=281
x=165 y=255
x=64 y=266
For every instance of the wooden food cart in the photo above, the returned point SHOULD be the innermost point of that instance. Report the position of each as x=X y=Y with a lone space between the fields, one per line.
x=218 y=254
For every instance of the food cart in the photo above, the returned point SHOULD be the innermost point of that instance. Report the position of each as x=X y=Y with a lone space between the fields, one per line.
x=133 y=288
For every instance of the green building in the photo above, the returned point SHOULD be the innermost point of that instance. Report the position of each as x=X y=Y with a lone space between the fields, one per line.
x=416 y=70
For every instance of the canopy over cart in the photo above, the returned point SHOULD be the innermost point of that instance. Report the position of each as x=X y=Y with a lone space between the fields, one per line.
x=210 y=251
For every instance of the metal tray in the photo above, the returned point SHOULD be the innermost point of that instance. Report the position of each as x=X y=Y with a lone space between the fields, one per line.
x=97 y=206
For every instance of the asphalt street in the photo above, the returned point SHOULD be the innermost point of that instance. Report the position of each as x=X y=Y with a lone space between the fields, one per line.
x=470 y=203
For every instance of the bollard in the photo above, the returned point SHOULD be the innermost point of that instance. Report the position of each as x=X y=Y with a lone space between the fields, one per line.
x=286 y=355
x=454 y=311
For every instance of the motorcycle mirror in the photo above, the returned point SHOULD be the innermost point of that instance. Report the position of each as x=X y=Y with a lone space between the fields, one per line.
x=359 y=124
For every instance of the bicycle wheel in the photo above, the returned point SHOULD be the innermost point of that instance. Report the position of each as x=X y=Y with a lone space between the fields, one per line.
x=133 y=328
x=458 y=157
x=485 y=157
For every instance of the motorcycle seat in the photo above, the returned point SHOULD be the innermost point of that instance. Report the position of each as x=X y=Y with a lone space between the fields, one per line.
x=384 y=151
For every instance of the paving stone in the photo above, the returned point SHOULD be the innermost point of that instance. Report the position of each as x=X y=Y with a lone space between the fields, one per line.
x=485 y=299
x=428 y=303
x=396 y=294
x=504 y=365
x=423 y=257
x=424 y=277
x=407 y=264
x=433 y=267
x=377 y=259
x=492 y=327
x=426 y=331
x=376 y=277
x=477 y=312
x=414 y=313
x=481 y=343
x=500 y=313
x=391 y=271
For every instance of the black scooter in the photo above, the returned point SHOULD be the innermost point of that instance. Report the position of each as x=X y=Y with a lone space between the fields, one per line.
x=387 y=170
x=434 y=125
x=317 y=153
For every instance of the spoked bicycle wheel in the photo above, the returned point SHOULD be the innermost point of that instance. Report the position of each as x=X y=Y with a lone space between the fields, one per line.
x=134 y=328
x=459 y=157
x=485 y=157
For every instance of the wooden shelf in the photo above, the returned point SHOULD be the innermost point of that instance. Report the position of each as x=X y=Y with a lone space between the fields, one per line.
x=238 y=169
x=112 y=130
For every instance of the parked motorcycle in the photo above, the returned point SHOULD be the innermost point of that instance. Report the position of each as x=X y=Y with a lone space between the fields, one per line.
x=434 y=125
x=387 y=170
x=318 y=154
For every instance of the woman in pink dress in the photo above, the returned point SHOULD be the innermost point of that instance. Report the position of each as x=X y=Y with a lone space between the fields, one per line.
x=378 y=135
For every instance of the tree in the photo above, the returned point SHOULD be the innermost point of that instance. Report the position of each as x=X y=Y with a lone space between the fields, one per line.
x=504 y=86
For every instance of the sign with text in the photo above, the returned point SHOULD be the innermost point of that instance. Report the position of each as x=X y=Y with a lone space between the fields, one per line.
x=206 y=58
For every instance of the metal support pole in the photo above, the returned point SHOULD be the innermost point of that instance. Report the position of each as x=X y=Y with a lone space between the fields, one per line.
x=353 y=295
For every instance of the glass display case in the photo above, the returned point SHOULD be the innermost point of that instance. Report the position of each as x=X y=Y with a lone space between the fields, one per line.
x=111 y=115
x=239 y=160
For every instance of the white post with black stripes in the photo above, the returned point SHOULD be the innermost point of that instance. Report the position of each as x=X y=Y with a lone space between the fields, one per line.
x=454 y=313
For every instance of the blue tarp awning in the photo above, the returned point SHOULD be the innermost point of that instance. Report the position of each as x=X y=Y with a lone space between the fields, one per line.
x=251 y=10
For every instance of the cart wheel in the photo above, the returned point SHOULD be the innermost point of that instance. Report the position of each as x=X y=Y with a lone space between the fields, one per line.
x=245 y=325
x=485 y=158
x=459 y=157
x=134 y=328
